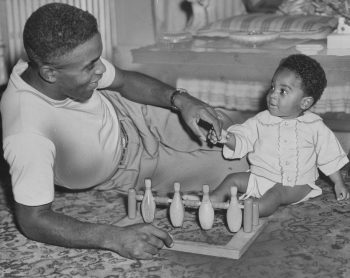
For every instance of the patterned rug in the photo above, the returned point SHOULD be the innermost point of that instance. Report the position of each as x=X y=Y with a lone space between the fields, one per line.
x=311 y=239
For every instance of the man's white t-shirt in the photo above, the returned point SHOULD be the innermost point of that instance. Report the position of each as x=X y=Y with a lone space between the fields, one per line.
x=49 y=142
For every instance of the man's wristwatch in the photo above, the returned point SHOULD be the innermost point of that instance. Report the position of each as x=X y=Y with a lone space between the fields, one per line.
x=177 y=92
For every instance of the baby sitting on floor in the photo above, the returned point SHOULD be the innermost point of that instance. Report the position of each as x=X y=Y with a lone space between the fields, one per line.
x=286 y=144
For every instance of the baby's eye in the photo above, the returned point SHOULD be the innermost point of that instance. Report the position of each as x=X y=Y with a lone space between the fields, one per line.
x=283 y=92
x=272 y=88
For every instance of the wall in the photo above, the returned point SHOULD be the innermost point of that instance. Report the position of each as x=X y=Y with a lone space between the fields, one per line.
x=134 y=29
x=137 y=21
x=125 y=24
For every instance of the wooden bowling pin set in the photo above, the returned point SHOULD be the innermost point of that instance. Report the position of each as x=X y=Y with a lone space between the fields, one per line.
x=242 y=220
x=177 y=205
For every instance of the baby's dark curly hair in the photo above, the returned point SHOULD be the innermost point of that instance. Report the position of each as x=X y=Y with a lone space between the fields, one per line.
x=56 y=29
x=311 y=73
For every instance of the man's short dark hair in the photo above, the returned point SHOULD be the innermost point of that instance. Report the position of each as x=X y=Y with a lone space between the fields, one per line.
x=311 y=73
x=56 y=29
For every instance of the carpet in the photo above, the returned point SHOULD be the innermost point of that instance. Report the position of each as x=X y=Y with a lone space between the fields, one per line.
x=310 y=239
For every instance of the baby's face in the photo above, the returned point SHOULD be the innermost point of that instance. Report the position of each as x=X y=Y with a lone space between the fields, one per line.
x=285 y=97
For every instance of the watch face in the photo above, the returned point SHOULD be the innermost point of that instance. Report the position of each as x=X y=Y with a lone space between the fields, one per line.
x=178 y=91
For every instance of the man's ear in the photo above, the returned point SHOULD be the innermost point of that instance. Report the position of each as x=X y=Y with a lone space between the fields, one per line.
x=306 y=103
x=48 y=73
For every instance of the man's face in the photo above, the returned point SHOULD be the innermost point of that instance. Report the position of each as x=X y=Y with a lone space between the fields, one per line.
x=78 y=72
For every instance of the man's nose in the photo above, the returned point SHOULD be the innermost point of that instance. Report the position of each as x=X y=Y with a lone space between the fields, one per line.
x=100 y=67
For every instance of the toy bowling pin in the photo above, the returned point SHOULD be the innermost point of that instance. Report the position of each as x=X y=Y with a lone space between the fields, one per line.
x=255 y=213
x=148 y=205
x=234 y=213
x=248 y=216
x=206 y=210
x=177 y=210
x=132 y=203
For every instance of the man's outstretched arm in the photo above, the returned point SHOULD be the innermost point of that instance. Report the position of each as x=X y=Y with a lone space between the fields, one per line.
x=40 y=223
x=144 y=89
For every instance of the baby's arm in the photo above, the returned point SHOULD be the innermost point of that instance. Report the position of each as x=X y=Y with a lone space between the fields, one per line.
x=341 y=192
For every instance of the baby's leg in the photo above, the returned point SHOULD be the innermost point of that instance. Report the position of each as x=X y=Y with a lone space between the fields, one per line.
x=223 y=191
x=280 y=195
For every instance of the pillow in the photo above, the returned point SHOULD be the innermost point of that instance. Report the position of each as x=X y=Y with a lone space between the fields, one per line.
x=289 y=26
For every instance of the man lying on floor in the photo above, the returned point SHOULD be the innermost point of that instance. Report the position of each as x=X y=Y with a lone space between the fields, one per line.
x=60 y=128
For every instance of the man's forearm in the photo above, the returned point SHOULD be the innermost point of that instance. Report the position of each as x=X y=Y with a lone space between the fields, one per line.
x=57 y=229
x=138 y=241
x=144 y=89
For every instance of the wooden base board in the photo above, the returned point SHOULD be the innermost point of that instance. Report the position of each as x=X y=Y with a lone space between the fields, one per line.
x=234 y=249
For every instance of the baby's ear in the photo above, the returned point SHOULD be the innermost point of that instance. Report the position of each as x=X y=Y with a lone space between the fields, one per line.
x=306 y=103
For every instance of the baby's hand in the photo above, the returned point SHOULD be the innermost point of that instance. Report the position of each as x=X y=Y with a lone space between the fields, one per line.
x=212 y=136
x=214 y=139
x=341 y=192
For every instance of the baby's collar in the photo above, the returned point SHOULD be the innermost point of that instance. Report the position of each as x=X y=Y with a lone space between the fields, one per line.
x=308 y=117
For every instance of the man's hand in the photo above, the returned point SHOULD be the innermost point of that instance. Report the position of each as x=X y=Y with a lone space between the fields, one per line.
x=138 y=241
x=193 y=110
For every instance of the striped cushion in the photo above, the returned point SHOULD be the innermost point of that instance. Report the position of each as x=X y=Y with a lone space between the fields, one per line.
x=290 y=26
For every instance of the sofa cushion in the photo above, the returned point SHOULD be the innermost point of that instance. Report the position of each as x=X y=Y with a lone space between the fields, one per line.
x=289 y=26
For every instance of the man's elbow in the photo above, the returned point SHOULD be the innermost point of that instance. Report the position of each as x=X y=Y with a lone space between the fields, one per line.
x=29 y=219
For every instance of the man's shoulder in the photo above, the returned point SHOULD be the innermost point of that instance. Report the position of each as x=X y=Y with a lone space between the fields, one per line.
x=17 y=90
x=14 y=99
x=21 y=110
